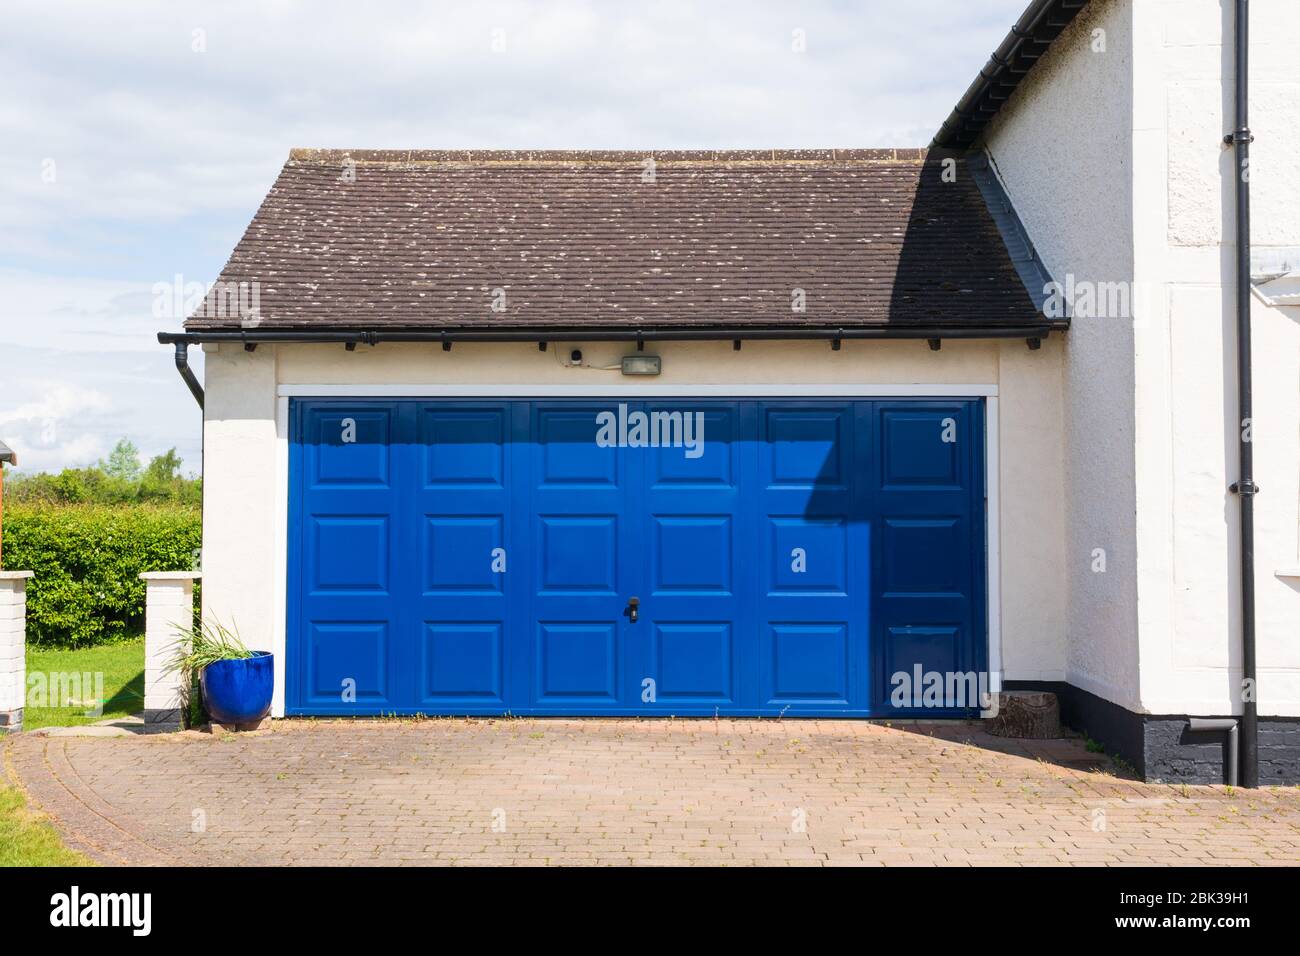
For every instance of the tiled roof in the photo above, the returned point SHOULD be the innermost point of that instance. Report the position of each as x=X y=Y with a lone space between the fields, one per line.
x=423 y=240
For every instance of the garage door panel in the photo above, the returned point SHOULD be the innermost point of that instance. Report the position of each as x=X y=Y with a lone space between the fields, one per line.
x=809 y=554
x=577 y=662
x=807 y=662
x=463 y=554
x=927 y=555
x=464 y=446
x=688 y=646
x=463 y=662
x=463 y=525
x=578 y=553
x=691 y=554
x=692 y=662
x=566 y=436
x=932 y=647
x=806 y=447
x=710 y=463
x=812 y=524
x=930 y=606
x=350 y=446
x=924 y=448
x=930 y=666
x=349 y=553
x=348 y=660
x=345 y=547
x=572 y=645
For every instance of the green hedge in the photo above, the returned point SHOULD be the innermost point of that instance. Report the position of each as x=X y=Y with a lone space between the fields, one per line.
x=87 y=561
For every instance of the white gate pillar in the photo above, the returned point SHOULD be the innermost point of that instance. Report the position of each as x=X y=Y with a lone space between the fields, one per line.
x=168 y=613
x=13 y=649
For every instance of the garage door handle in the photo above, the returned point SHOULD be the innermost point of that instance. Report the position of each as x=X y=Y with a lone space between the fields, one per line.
x=633 y=609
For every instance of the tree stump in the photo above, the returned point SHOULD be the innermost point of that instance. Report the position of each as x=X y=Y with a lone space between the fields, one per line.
x=1030 y=714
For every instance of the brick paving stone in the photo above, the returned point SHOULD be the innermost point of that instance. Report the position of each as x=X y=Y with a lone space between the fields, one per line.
x=631 y=792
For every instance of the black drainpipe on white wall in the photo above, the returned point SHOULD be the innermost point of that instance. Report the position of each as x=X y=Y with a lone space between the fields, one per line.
x=187 y=373
x=1245 y=487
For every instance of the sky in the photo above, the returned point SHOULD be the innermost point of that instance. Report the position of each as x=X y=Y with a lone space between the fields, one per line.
x=138 y=138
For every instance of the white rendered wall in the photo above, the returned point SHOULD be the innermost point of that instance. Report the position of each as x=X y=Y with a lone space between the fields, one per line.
x=245 y=434
x=1115 y=162
x=239 y=514
x=1061 y=146
x=1184 y=228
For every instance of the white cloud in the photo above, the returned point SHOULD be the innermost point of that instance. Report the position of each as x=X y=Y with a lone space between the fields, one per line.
x=81 y=450
x=58 y=402
x=67 y=409
x=45 y=429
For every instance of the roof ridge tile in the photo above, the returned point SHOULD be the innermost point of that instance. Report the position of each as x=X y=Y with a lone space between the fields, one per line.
x=618 y=156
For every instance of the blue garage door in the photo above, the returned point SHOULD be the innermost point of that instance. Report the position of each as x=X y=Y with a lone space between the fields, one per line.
x=604 y=557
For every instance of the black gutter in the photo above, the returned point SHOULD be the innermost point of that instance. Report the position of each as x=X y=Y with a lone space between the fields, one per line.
x=1040 y=24
x=351 y=338
x=517 y=334
x=1245 y=487
x=183 y=366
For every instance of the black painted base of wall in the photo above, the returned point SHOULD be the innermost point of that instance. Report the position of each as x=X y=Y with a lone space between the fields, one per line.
x=11 y=721
x=1161 y=748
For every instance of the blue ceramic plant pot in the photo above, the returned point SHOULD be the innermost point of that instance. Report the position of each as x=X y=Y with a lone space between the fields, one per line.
x=239 y=692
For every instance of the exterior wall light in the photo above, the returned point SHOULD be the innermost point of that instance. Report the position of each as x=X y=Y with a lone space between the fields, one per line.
x=642 y=365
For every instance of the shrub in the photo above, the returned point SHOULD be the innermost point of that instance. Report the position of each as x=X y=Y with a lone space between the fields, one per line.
x=118 y=481
x=87 y=560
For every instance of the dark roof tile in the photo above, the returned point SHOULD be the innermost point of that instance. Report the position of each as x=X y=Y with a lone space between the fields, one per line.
x=420 y=239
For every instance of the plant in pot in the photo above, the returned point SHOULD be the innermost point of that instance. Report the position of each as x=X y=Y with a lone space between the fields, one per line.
x=235 y=682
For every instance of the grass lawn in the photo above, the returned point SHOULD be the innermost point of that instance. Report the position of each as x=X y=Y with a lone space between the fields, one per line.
x=27 y=839
x=121 y=664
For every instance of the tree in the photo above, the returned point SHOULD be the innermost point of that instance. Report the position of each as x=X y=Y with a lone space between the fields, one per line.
x=70 y=485
x=162 y=480
x=121 y=480
x=123 y=462
x=163 y=469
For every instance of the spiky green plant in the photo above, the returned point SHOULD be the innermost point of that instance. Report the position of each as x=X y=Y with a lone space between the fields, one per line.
x=209 y=642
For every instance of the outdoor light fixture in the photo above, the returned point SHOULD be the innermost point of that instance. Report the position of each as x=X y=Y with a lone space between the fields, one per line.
x=642 y=365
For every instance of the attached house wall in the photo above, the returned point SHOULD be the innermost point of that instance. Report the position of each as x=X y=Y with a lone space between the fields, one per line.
x=1061 y=147
x=1185 y=251
x=245 y=494
x=1115 y=162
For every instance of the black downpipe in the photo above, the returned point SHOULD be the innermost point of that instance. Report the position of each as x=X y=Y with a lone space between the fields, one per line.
x=187 y=373
x=1245 y=486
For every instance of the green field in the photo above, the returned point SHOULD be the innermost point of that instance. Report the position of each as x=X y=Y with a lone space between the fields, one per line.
x=122 y=665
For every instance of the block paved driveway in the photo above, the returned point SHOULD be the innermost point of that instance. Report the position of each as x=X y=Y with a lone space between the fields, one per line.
x=617 y=792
